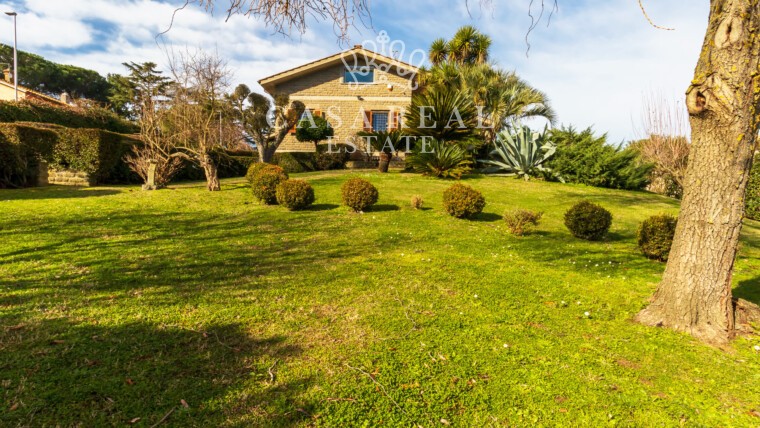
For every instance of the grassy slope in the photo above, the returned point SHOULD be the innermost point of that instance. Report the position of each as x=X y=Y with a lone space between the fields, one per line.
x=117 y=304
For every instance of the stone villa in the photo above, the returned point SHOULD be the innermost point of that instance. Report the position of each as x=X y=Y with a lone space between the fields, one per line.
x=355 y=90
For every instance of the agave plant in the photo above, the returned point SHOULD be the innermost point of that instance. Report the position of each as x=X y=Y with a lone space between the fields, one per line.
x=440 y=159
x=521 y=154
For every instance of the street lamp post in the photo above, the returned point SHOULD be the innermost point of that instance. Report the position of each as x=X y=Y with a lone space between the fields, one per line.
x=15 y=54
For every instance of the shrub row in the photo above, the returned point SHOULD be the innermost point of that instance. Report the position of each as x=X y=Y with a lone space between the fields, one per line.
x=70 y=117
x=294 y=162
x=94 y=151
x=21 y=150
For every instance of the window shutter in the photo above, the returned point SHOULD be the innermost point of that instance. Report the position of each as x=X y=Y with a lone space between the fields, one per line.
x=367 y=121
x=319 y=113
x=293 y=129
x=393 y=120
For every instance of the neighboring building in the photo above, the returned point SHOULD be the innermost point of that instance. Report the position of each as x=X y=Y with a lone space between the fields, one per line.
x=355 y=90
x=7 y=92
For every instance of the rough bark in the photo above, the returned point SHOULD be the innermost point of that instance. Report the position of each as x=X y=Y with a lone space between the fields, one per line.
x=695 y=293
x=385 y=161
x=211 y=171
x=266 y=153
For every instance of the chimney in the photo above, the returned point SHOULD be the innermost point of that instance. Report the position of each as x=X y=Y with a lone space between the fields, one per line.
x=358 y=46
x=7 y=75
x=65 y=98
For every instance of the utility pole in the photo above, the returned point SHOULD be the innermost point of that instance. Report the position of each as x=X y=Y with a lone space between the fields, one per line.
x=15 y=54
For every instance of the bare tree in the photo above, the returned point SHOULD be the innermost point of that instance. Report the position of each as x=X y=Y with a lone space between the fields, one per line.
x=198 y=109
x=285 y=16
x=143 y=92
x=666 y=143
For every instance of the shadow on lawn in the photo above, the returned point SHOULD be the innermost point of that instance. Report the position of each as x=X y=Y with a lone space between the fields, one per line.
x=72 y=374
x=748 y=290
x=53 y=192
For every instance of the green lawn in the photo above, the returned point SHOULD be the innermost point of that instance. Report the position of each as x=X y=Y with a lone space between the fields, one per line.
x=118 y=304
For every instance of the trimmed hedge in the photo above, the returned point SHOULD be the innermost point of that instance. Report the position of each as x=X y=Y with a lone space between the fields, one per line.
x=264 y=183
x=655 y=236
x=589 y=221
x=22 y=148
x=462 y=201
x=41 y=112
x=94 y=151
x=358 y=194
x=294 y=162
x=295 y=194
x=230 y=163
x=752 y=195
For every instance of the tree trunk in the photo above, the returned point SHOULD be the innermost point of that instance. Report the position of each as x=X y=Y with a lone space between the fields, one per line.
x=266 y=153
x=212 y=173
x=385 y=162
x=695 y=293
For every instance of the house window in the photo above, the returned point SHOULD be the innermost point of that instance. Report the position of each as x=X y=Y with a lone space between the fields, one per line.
x=359 y=75
x=379 y=121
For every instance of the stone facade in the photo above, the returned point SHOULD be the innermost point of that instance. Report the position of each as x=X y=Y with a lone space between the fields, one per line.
x=345 y=105
x=65 y=177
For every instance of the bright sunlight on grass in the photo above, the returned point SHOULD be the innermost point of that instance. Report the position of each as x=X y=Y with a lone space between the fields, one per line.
x=120 y=306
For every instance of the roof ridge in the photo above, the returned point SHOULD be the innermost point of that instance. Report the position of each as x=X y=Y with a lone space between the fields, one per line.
x=356 y=48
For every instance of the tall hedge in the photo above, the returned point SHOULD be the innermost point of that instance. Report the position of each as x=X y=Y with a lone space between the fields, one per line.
x=94 y=151
x=21 y=150
x=41 y=112
x=752 y=197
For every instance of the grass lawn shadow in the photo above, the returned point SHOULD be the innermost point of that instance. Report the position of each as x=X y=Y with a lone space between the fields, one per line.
x=384 y=207
x=105 y=375
x=322 y=207
x=487 y=217
x=748 y=290
x=53 y=192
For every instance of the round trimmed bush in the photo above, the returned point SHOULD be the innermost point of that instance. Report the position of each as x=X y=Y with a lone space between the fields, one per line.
x=656 y=236
x=358 y=194
x=463 y=201
x=264 y=183
x=253 y=170
x=295 y=194
x=588 y=221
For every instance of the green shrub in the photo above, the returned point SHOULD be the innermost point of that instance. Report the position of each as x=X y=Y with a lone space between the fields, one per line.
x=358 y=194
x=94 y=151
x=752 y=196
x=656 y=236
x=253 y=170
x=521 y=221
x=582 y=157
x=315 y=132
x=417 y=202
x=439 y=159
x=336 y=158
x=264 y=183
x=22 y=148
x=463 y=201
x=42 y=112
x=588 y=221
x=295 y=194
x=295 y=162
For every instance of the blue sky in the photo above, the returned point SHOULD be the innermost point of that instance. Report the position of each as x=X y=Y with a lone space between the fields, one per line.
x=596 y=60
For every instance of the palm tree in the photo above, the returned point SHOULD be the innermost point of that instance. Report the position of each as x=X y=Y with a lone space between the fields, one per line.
x=468 y=46
x=439 y=51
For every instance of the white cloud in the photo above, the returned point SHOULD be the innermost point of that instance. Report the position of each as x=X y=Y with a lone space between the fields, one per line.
x=595 y=60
